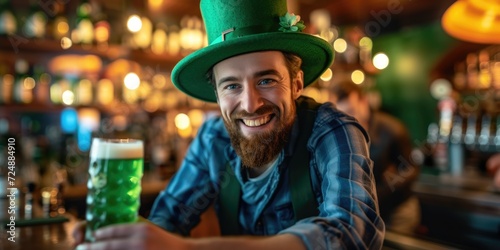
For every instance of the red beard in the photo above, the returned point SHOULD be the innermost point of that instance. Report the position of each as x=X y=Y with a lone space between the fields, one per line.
x=262 y=148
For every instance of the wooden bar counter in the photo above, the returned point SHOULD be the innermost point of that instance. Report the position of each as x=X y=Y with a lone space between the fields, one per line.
x=49 y=235
x=463 y=210
x=43 y=233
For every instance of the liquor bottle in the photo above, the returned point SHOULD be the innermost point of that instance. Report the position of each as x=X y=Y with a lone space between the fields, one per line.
x=28 y=200
x=84 y=91
x=460 y=76
x=160 y=38
x=142 y=38
x=59 y=25
x=8 y=23
x=173 y=40
x=472 y=71
x=7 y=85
x=484 y=77
x=102 y=32
x=84 y=28
x=42 y=90
x=22 y=84
x=36 y=22
x=495 y=70
x=56 y=89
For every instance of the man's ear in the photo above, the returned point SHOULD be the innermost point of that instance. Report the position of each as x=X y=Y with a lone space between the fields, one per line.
x=298 y=83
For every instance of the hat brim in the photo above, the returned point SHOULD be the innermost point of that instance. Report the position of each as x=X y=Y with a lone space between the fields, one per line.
x=189 y=75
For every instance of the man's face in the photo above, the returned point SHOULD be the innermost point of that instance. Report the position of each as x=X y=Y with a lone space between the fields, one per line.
x=256 y=98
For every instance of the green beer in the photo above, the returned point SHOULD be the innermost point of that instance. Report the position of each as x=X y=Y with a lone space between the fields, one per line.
x=114 y=183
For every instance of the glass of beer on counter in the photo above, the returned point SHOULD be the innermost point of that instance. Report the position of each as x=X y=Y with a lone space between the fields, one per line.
x=114 y=183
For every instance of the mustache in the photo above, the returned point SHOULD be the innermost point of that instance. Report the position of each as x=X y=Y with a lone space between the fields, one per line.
x=262 y=110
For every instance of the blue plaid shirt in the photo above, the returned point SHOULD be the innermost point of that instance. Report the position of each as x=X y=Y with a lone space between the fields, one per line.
x=341 y=175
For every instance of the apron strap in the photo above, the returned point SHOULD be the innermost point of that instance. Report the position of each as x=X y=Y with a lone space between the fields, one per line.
x=303 y=199
x=229 y=201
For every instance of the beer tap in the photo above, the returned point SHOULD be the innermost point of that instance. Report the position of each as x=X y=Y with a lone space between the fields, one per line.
x=470 y=132
x=496 y=140
x=456 y=151
x=484 y=135
x=432 y=133
x=456 y=131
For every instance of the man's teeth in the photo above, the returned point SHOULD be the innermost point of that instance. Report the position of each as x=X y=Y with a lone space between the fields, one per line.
x=256 y=122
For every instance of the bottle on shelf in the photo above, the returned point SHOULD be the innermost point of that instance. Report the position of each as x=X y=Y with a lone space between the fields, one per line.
x=30 y=173
x=29 y=200
x=83 y=91
x=83 y=33
x=23 y=83
x=102 y=32
x=495 y=68
x=159 y=41
x=472 y=71
x=8 y=22
x=36 y=22
x=484 y=76
x=7 y=88
x=59 y=25
x=459 y=78
x=42 y=89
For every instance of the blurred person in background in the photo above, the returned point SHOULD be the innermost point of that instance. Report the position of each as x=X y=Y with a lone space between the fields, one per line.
x=493 y=166
x=390 y=149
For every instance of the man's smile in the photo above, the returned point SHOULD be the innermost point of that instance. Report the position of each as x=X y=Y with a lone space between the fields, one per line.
x=255 y=122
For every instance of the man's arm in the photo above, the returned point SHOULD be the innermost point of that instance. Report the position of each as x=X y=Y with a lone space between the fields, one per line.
x=349 y=217
x=148 y=236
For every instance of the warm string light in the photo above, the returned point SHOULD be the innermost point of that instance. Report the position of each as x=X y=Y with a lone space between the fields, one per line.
x=353 y=54
x=72 y=85
x=380 y=61
x=187 y=124
x=134 y=23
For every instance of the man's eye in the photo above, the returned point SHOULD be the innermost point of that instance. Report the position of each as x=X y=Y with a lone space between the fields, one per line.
x=266 y=81
x=231 y=86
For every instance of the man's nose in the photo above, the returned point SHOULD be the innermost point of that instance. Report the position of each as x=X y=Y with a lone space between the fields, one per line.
x=251 y=99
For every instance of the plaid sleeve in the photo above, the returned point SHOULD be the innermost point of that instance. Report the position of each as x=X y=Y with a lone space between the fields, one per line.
x=349 y=217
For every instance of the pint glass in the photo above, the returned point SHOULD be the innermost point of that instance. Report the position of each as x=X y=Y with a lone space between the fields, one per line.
x=114 y=183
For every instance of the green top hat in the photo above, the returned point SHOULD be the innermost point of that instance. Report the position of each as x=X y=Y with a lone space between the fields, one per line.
x=236 y=27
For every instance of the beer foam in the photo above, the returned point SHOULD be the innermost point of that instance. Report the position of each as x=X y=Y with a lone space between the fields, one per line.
x=116 y=149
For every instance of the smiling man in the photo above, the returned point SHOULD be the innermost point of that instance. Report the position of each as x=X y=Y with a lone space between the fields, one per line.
x=256 y=96
x=275 y=164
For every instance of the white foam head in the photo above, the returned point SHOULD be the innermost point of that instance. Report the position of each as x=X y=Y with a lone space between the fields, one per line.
x=116 y=149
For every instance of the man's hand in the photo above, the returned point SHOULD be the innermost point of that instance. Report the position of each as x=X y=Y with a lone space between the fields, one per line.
x=493 y=166
x=140 y=235
x=146 y=235
x=79 y=230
